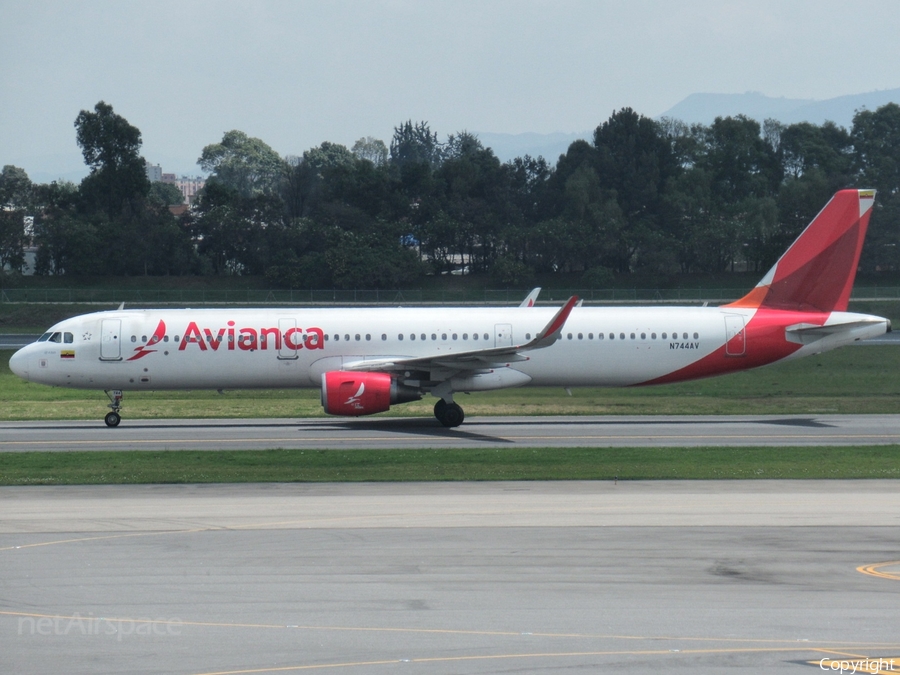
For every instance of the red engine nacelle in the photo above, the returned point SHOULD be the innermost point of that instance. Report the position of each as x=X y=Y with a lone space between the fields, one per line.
x=355 y=394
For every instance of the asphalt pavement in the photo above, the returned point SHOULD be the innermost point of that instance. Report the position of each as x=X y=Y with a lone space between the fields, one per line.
x=699 y=577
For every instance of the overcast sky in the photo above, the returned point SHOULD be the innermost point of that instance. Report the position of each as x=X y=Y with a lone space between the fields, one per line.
x=297 y=73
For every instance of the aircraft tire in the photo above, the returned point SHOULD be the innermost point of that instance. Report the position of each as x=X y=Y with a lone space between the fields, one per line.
x=449 y=414
x=112 y=419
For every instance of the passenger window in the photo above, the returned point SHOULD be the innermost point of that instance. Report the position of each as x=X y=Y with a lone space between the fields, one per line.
x=684 y=335
x=400 y=336
x=474 y=336
x=664 y=336
x=368 y=337
x=454 y=336
x=444 y=337
x=356 y=337
x=412 y=336
x=569 y=336
x=134 y=338
x=485 y=336
x=347 y=338
x=383 y=337
x=144 y=338
x=696 y=336
x=465 y=336
x=643 y=336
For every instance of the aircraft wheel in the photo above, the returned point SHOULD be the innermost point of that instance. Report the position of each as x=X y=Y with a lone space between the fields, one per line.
x=112 y=419
x=449 y=414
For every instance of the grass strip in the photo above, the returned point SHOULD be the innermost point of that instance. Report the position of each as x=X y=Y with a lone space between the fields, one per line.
x=311 y=466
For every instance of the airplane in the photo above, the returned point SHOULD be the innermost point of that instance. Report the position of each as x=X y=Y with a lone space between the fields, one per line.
x=364 y=360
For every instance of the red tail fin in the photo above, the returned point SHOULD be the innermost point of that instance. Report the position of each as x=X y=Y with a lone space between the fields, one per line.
x=816 y=273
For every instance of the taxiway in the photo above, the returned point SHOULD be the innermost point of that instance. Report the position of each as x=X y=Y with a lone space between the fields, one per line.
x=700 y=577
x=425 y=432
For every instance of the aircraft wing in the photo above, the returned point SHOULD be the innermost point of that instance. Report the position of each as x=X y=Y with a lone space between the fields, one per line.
x=477 y=359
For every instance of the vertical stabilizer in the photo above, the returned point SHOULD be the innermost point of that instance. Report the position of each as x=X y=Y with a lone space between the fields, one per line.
x=817 y=272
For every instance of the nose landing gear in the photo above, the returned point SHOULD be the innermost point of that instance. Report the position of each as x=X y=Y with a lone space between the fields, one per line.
x=113 y=418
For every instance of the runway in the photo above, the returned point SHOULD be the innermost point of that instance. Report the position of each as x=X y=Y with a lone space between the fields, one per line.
x=699 y=577
x=423 y=432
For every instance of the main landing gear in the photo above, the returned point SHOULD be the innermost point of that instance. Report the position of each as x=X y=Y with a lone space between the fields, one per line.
x=113 y=418
x=449 y=414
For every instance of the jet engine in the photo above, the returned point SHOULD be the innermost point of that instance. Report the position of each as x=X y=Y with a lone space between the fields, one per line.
x=355 y=394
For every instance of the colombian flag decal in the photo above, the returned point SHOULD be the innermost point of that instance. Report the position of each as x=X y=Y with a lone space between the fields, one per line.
x=67 y=354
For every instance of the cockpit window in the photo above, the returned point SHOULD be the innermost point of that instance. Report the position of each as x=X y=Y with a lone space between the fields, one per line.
x=68 y=338
x=55 y=337
x=44 y=337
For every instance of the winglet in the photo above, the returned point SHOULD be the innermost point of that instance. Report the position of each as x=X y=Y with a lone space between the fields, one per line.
x=817 y=271
x=553 y=330
x=531 y=298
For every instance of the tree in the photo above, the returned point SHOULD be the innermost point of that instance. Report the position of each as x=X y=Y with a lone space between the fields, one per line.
x=634 y=158
x=244 y=164
x=15 y=188
x=806 y=147
x=740 y=163
x=371 y=149
x=15 y=197
x=110 y=146
x=12 y=240
x=165 y=194
x=876 y=148
x=415 y=144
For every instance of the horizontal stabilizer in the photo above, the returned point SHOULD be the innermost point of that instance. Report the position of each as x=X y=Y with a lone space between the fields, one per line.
x=855 y=327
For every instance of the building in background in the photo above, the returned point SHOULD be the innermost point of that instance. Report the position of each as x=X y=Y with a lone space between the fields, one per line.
x=189 y=186
x=154 y=172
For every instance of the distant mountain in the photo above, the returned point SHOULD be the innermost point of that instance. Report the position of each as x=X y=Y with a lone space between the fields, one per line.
x=704 y=108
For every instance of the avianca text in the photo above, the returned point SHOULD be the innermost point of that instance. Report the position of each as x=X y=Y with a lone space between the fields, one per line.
x=251 y=339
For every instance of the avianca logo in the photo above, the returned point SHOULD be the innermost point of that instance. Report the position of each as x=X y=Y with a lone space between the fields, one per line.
x=251 y=339
x=142 y=350
x=354 y=400
x=244 y=339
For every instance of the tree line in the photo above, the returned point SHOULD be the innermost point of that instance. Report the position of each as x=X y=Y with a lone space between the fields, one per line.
x=644 y=196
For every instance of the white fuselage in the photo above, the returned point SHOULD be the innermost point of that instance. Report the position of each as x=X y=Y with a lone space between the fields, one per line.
x=255 y=348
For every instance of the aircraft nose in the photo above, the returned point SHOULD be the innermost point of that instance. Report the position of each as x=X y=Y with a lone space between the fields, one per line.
x=18 y=364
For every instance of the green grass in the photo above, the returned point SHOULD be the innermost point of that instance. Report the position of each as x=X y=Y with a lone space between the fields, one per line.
x=89 y=468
